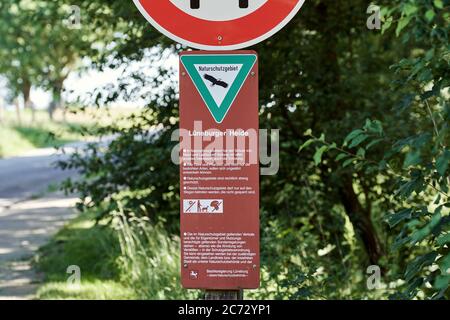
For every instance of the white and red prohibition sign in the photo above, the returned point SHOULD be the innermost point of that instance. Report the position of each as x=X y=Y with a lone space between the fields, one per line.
x=219 y=24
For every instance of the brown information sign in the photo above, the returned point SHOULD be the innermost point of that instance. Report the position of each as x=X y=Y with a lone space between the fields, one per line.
x=219 y=170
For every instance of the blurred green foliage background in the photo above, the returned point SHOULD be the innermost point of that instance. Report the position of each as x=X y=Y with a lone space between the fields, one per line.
x=364 y=158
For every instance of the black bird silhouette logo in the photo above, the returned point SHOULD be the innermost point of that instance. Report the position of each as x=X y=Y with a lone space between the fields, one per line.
x=215 y=82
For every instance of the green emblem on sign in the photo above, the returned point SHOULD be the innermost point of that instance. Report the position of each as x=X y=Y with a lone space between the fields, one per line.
x=218 y=79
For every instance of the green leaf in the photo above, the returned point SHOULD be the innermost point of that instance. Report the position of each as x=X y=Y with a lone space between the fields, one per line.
x=412 y=288
x=442 y=163
x=404 y=21
x=421 y=234
x=407 y=188
x=396 y=218
x=438 y=4
x=358 y=140
x=306 y=144
x=412 y=159
x=347 y=162
x=353 y=135
x=399 y=242
x=318 y=155
x=425 y=75
x=341 y=156
x=444 y=239
x=430 y=54
x=418 y=264
x=322 y=137
x=386 y=25
x=361 y=153
x=409 y=9
x=373 y=143
x=374 y=126
x=417 y=68
x=441 y=282
x=429 y=15
x=444 y=264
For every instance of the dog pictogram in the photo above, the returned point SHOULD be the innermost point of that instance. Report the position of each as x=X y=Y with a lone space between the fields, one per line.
x=193 y=275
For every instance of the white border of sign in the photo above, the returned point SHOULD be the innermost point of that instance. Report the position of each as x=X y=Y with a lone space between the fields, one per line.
x=221 y=48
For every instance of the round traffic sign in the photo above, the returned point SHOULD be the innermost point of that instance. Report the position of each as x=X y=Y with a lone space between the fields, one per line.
x=219 y=24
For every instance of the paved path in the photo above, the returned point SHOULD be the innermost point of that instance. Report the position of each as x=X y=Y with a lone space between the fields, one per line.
x=29 y=216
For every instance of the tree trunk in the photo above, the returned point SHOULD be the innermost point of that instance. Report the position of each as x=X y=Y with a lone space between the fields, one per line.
x=359 y=216
x=19 y=117
x=53 y=106
x=57 y=102
x=361 y=221
x=26 y=93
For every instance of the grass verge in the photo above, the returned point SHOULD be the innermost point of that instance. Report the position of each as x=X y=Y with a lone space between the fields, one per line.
x=18 y=138
x=92 y=248
x=128 y=259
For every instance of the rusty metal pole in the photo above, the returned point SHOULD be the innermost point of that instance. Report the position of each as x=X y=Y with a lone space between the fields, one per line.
x=224 y=295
